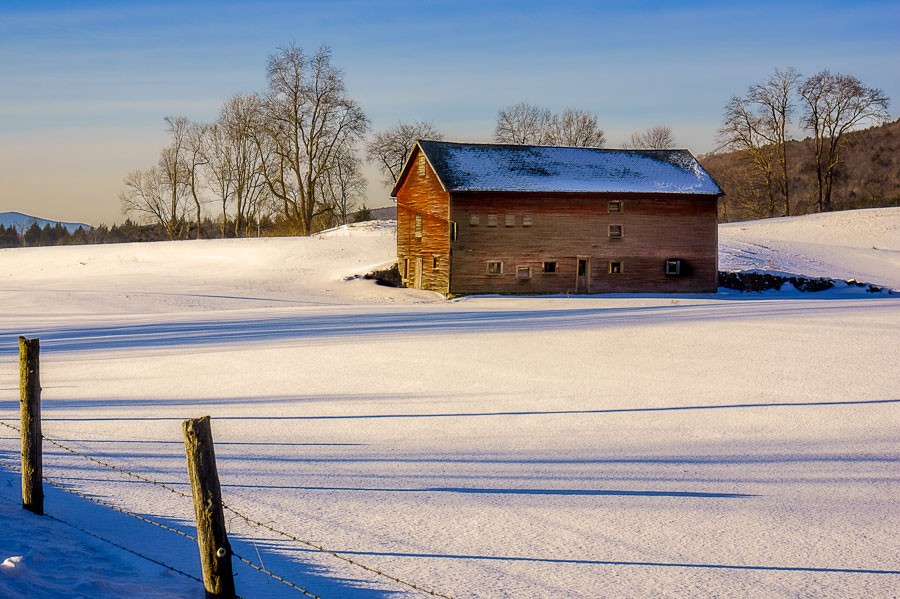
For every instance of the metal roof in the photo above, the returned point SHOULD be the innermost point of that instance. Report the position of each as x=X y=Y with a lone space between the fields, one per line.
x=501 y=167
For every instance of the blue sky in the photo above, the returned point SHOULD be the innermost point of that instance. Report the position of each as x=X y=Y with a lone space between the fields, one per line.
x=84 y=86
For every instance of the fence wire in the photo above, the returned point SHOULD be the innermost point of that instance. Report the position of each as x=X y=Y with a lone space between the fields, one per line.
x=334 y=554
x=242 y=516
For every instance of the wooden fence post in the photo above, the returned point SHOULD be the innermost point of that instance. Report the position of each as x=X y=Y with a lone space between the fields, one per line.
x=30 y=408
x=212 y=538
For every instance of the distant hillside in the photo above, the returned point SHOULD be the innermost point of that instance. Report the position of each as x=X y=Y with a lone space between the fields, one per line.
x=386 y=213
x=22 y=221
x=868 y=177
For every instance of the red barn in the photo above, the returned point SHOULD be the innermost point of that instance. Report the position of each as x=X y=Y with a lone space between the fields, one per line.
x=492 y=218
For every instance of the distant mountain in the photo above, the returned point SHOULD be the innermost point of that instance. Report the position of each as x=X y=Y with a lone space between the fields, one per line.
x=23 y=221
x=386 y=213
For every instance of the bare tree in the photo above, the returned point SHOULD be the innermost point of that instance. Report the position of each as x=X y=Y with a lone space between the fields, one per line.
x=235 y=162
x=758 y=124
x=522 y=123
x=389 y=148
x=658 y=137
x=342 y=185
x=309 y=120
x=173 y=170
x=147 y=192
x=182 y=161
x=575 y=127
x=744 y=130
x=775 y=101
x=836 y=104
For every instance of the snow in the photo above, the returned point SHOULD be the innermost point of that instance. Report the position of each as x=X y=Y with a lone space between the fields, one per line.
x=859 y=244
x=494 y=167
x=725 y=445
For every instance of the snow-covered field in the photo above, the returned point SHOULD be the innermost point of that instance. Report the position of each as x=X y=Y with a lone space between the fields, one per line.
x=731 y=445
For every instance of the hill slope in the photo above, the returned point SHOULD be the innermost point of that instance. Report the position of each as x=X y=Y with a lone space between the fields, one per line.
x=868 y=176
x=623 y=446
x=855 y=244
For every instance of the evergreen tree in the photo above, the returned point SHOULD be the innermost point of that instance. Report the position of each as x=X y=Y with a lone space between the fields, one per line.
x=33 y=235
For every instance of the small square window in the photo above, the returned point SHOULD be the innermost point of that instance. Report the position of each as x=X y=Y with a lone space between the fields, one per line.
x=616 y=231
x=615 y=267
x=550 y=268
x=510 y=220
x=527 y=220
x=492 y=220
x=615 y=206
x=523 y=272
x=673 y=267
x=418 y=232
x=474 y=219
x=494 y=267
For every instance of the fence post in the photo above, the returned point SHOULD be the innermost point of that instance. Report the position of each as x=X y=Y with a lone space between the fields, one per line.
x=215 y=551
x=30 y=408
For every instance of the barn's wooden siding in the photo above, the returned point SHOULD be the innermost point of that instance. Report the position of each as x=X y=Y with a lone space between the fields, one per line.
x=566 y=227
x=424 y=260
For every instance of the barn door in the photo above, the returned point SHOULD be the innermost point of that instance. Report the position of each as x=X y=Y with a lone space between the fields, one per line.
x=419 y=262
x=583 y=280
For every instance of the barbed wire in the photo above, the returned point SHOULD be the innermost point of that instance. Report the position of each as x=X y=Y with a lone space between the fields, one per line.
x=114 y=544
x=271 y=574
x=107 y=504
x=107 y=464
x=335 y=554
x=237 y=513
x=105 y=540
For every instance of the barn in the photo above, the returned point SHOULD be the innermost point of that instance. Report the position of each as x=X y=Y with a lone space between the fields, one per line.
x=496 y=218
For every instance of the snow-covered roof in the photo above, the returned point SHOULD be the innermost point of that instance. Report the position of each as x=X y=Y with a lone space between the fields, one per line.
x=500 y=167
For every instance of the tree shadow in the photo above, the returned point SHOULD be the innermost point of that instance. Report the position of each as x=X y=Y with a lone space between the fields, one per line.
x=157 y=403
x=708 y=566
x=445 y=319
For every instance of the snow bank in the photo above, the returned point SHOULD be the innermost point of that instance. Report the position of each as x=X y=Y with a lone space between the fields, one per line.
x=857 y=244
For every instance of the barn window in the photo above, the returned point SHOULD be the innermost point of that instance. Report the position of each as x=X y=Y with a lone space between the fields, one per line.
x=406 y=268
x=421 y=165
x=616 y=231
x=673 y=267
x=454 y=231
x=527 y=220
x=494 y=267
x=615 y=267
x=492 y=220
x=615 y=206
x=418 y=226
x=523 y=272
x=434 y=262
x=474 y=219
x=550 y=267
x=510 y=220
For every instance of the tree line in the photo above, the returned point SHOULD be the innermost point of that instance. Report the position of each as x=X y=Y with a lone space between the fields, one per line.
x=288 y=160
x=132 y=232
x=758 y=126
x=289 y=156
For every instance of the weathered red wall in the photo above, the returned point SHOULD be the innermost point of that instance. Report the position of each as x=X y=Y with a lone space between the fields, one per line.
x=568 y=226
